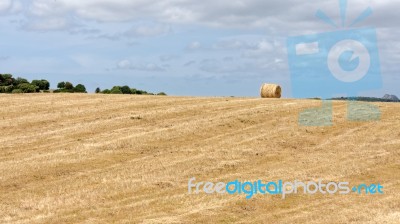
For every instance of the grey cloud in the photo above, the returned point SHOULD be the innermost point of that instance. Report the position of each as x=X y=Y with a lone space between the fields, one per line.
x=168 y=57
x=251 y=47
x=228 y=59
x=263 y=48
x=278 y=17
x=189 y=63
x=10 y=7
x=231 y=44
x=112 y=37
x=137 y=32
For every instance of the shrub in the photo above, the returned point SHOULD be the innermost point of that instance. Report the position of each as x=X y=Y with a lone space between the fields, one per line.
x=116 y=90
x=63 y=91
x=80 y=88
x=6 y=80
x=106 y=91
x=69 y=86
x=6 y=89
x=98 y=90
x=61 y=85
x=161 y=94
x=17 y=91
x=41 y=84
x=68 y=90
x=27 y=88
x=45 y=84
x=126 y=90
x=20 y=81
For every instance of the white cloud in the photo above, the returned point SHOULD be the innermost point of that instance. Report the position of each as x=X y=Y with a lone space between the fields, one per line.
x=5 y=5
x=124 y=64
x=148 y=67
x=226 y=13
x=16 y=7
x=217 y=67
x=178 y=14
x=230 y=44
x=289 y=16
x=49 y=24
x=148 y=30
x=195 y=45
x=10 y=6
x=141 y=30
x=262 y=49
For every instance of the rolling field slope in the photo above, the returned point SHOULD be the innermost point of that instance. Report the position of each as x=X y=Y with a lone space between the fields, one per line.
x=73 y=158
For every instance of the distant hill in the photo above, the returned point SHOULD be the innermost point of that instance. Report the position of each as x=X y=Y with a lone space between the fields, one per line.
x=386 y=98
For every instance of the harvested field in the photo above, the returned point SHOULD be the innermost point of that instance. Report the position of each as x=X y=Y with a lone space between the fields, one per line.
x=72 y=158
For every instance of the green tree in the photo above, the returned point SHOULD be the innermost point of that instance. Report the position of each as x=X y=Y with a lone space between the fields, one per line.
x=126 y=90
x=6 y=89
x=45 y=84
x=69 y=86
x=17 y=91
x=1 y=80
x=19 y=81
x=6 y=80
x=80 y=88
x=161 y=94
x=61 y=85
x=27 y=88
x=106 y=91
x=116 y=90
x=98 y=90
x=41 y=84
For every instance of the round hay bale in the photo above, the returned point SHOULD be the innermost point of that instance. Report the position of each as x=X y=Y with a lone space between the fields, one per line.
x=270 y=91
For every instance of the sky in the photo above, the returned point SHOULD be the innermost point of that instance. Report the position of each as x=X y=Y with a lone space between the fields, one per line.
x=181 y=47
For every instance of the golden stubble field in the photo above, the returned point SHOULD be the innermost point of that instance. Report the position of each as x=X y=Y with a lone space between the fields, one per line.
x=73 y=158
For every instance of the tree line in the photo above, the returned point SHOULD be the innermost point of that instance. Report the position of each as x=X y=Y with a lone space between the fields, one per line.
x=126 y=90
x=9 y=84
x=67 y=87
